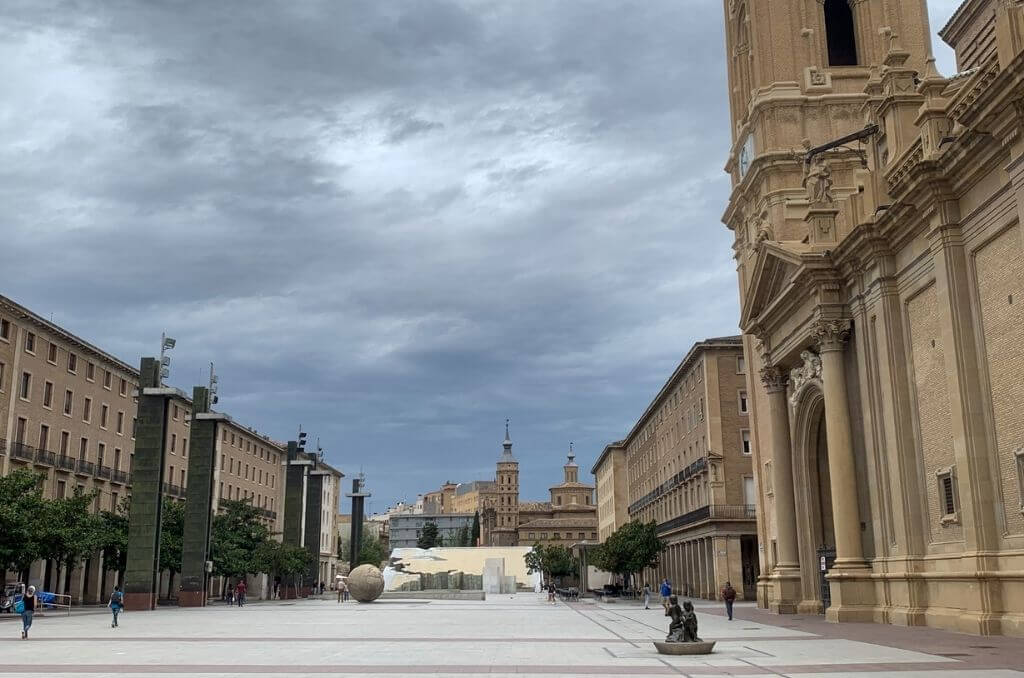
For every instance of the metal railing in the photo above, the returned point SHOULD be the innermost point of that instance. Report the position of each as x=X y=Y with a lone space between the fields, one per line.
x=3 y=446
x=45 y=457
x=119 y=477
x=22 y=451
x=65 y=462
x=85 y=468
x=710 y=512
x=173 y=490
x=103 y=472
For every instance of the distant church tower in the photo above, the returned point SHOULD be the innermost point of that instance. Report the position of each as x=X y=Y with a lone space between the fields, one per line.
x=506 y=530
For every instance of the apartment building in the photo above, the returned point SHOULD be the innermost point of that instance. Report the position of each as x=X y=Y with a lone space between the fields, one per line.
x=68 y=411
x=610 y=475
x=688 y=468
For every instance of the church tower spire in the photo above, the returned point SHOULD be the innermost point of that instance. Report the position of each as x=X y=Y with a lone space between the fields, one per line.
x=572 y=471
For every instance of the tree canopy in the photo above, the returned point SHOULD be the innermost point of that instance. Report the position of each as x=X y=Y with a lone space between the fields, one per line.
x=371 y=552
x=630 y=549
x=21 y=509
x=236 y=539
x=428 y=536
x=554 y=560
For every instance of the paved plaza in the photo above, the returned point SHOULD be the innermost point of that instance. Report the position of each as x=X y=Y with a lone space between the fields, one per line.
x=503 y=636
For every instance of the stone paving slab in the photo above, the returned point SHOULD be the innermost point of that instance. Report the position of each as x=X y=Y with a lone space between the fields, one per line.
x=505 y=636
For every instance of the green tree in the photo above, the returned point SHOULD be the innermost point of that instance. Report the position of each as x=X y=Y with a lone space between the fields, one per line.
x=172 y=533
x=463 y=536
x=554 y=561
x=68 y=532
x=286 y=560
x=114 y=538
x=371 y=552
x=474 y=532
x=630 y=549
x=237 y=539
x=21 y=508
x=428 y=536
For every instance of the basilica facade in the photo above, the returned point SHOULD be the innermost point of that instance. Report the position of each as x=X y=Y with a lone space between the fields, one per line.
x=876 y=211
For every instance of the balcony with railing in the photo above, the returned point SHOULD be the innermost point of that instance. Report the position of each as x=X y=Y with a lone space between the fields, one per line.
x=3 y=446
x=65 y=462
x=694 y=469
x=118 y=476
x=45 y=458
x=103 y=472
x=710 y=512
x=85 y=468
x=22 y=451
x=172 y=490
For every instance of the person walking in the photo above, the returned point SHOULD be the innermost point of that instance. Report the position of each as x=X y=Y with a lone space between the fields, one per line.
x=240 y=592
x=116 y=604
x=647 y=596
x=666 y=591
x=28 y=603
x=729 y=596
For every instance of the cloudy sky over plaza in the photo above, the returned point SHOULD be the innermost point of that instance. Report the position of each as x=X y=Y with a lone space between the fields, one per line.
x=396 y=223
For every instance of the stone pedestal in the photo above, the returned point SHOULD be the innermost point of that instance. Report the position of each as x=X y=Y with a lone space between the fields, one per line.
x=702 y=647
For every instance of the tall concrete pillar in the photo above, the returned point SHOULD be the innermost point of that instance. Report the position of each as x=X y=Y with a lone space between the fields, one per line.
x=141 y=572
x=831 y=336
x=358 y=496
x=294 y=533
x=311 y=527
x=195 y=550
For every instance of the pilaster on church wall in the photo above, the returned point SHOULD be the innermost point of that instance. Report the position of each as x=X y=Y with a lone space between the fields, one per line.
x=760 y=437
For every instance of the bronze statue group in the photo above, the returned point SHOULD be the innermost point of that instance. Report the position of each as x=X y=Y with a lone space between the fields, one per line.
x=683 y=628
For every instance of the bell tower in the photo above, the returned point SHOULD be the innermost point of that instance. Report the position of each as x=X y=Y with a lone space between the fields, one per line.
x=506 y=530
x=800 y=73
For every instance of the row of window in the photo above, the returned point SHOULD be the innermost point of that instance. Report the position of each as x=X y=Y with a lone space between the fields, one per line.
x=558 y=535
x=25 y=393
x=239 y=494
x=63 y=448
x=53 y=354
x=253 y=473
x=248 y=446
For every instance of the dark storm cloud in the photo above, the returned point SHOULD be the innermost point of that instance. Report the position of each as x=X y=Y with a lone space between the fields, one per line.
x=394 y=223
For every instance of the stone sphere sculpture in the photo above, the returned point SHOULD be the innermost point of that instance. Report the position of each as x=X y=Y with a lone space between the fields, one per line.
x=365 y=583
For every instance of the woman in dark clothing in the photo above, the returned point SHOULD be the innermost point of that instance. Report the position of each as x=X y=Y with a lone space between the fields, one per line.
x=29 y=600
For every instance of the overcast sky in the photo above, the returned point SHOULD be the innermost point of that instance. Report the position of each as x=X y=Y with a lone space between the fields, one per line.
x=395 y=223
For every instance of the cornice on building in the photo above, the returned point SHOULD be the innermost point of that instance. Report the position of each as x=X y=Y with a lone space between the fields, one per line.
x=22 y=313
x=695 y=352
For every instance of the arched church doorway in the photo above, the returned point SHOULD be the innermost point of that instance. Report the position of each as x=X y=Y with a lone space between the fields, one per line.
x=815 y=523
x=826 y=534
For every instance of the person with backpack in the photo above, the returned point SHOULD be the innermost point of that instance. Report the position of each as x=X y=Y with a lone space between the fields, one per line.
x=116 y=604
x=666 y=591
x=729 y=596
x=26 y=607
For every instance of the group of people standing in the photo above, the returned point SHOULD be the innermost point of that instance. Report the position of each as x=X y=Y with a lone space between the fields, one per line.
x=728 y=595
